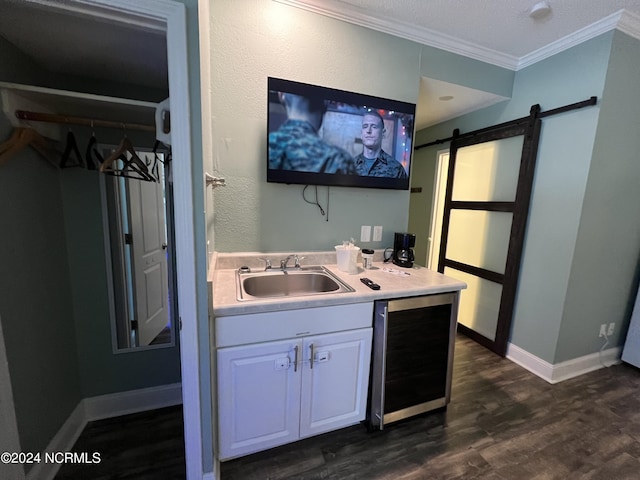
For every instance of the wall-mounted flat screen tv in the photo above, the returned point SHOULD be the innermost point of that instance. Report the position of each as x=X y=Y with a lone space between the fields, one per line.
x=323 y=136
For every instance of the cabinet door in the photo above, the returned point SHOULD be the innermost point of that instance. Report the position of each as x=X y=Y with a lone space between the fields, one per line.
x=334 y=385
x=259 y=397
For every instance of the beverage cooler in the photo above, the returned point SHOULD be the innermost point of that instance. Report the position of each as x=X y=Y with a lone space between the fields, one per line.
x=413 y=344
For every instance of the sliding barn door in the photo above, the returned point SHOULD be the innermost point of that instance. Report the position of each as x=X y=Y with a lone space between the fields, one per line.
x=485 y=214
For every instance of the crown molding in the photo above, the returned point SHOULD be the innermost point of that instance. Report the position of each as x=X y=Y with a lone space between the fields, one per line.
x=621 y=20
x=423 y=36
x=630 y=24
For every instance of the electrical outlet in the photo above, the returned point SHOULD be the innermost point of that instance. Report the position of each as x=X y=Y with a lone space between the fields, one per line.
x=377 y=233
x=603 y=330
x=365 y=233
x=612 y=328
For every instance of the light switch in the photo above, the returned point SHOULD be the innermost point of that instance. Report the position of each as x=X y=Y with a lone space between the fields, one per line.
x=365 y=233
x=377 y=233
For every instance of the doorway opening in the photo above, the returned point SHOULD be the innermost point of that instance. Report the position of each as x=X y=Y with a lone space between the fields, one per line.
x=437 y=210
x=170 y=18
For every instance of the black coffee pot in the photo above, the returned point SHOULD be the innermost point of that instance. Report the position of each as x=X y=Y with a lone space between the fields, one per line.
x=403 y=244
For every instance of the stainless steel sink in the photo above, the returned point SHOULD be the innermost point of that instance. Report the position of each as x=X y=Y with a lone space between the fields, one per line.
x=315 y=280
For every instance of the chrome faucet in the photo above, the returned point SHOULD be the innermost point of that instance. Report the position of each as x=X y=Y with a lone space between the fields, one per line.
x=267 y=264
x=283 y=263
x=296 y=260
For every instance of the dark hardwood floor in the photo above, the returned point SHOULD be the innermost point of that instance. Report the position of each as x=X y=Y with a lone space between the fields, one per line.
x=503 y=423
x=144 y=446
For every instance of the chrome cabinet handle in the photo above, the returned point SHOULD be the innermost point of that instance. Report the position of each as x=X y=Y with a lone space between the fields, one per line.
x=311 y=359
x=295 y=358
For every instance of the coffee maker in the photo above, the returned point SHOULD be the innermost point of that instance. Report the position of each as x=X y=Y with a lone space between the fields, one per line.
x=403 y=244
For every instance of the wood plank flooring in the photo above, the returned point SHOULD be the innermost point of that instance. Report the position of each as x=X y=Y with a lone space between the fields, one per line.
x=503 y=423
x=141 y=446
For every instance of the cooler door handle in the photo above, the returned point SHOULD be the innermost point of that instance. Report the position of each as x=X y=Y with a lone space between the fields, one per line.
x=385 y=315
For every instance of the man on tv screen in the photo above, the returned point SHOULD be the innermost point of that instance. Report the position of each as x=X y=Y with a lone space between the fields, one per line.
x=373 y=161
x=296 y=144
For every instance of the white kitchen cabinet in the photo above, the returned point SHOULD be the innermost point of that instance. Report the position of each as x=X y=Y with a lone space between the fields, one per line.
x=335 y=385
x=276 y=392
x=258 y=397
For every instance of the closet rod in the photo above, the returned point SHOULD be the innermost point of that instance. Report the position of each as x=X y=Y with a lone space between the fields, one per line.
x=71 y=120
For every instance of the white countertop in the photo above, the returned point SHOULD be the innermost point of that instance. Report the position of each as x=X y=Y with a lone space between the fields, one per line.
x=419 y=281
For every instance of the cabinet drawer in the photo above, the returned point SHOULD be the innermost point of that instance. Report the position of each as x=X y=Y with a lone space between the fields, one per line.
x=262 y=327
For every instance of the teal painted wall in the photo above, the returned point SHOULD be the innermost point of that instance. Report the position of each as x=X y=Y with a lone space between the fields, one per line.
x=251 y=41
x=35 y=302
x=35 y=290
x=447 y=67
x=564 y=157
x=254 y=40
x=604 y=273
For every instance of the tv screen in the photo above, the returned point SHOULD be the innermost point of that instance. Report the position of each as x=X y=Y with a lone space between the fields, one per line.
x=323 y=136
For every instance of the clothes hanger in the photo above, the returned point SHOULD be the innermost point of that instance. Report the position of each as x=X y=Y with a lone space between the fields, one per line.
x=23 y=137
x=14 y=144
x=71 y=156
x=43 y=146
x=129 y=169
x=133 y=162
x=92 y=157
x=157 y=160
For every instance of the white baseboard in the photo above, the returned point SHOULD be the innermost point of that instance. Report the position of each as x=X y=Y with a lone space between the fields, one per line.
x=62 y=441
x=133 y=401
x=535 y=365
x=103 y=406
x=554 y=373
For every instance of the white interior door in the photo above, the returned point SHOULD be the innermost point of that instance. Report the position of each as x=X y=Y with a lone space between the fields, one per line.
x=149 y=257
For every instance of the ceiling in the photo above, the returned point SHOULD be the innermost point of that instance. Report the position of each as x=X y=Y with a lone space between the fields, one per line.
x=501 y=32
